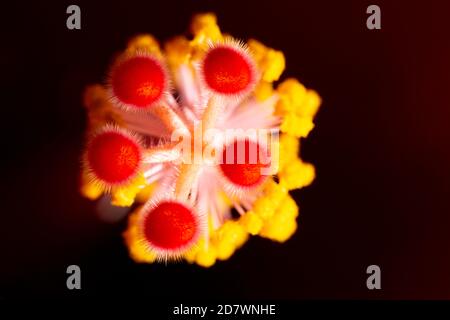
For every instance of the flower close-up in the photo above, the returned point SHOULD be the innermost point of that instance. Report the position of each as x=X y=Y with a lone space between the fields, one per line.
x=200 y=138
x=225 y=158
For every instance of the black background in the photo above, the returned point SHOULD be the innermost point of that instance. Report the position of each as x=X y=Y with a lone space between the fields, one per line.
x=380 y=147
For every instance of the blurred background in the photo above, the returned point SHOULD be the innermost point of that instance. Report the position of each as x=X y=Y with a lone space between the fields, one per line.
x=381 y=150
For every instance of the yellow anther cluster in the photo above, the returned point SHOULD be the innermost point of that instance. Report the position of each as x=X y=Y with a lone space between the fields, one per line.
x=222 y=244
x=204 y=28
x=144 y=43
x=273 y=216
x=251 y=222
x=124 y=196
x=296 y=125
x=178 y=51
x=263 y=90
x=100 y=110
x=271 y=63
x=289 y=150
x=297 y=106
x=181 y=50
x=88 y=189
x=282 y=224
x=203 y=254
x=145 y=193
x=297 y=174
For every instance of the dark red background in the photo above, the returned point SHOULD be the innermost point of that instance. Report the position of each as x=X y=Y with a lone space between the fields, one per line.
x=380 y=146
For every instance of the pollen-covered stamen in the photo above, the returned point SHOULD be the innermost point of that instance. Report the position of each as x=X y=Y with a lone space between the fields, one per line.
x=162 y=153
x=113 y=157
x=244 y=163
x=170 y=227
x=139 y=81
x=228 y=69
